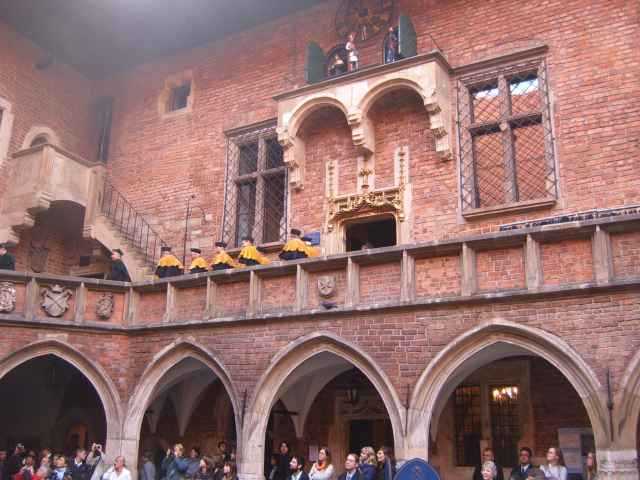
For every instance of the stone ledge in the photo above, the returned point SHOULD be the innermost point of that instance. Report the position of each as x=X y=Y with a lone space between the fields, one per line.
x=310 y=314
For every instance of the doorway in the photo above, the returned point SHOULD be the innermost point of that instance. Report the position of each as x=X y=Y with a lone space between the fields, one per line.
x=370 y=233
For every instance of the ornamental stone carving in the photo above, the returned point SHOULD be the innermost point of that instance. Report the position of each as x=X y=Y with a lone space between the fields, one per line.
x=55 y=300
x=387 y=199
x=104 y=306
x=327 y=286
x=7 y=297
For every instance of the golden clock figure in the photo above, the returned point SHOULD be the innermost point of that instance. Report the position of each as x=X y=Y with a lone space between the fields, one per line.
x=365 y=18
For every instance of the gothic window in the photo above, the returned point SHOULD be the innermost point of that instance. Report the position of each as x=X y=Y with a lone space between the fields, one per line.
x=256 y=194
x=505 y=137
x=468 y=421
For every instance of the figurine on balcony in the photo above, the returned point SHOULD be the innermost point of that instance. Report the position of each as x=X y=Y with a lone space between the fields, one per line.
x=119 y=272
x=336 y=66
x=7 y=262
x=295 y=247
x=222 y=260
x=169 y=265
x=311 y=250
x=198 y=263
x=391 y=46
x=250 y=255
x=352 y=51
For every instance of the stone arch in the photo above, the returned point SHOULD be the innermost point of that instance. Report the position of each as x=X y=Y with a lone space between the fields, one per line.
x=388 y=86
x=283 y=365
x=488 y=342
x=99 y=378
x=304 y=110
x=162 y=362
x=41 y=131
x=627 y=404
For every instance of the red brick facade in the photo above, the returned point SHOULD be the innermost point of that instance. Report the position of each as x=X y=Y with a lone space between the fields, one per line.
x=581 y=317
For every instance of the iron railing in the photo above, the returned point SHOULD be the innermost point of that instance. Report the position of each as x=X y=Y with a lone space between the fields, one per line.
x=131 y=224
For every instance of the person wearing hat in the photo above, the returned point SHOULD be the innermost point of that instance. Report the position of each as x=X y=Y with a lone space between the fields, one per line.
x=294 y=248
x=250 y=255
x=222 y=260
x=119 y=270
x=198 y=263
x=169 y=265
x=311 y=250
x=7 y=261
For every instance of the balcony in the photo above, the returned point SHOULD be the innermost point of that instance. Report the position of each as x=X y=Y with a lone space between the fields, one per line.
x=428 y=74
x=423 y=276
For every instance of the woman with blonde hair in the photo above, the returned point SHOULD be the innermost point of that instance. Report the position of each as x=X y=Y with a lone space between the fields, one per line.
x=591 y=467
x=322 y=469
x=368 y=463
x=489 y=471
x=175 y=464
x=555 y=468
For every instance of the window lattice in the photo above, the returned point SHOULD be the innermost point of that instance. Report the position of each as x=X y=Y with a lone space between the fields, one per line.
x=505 y=428
x=468 y=420
x=256 y=193
x=505 y=137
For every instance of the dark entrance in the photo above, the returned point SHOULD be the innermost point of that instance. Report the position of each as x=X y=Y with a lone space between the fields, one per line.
x=375 y=233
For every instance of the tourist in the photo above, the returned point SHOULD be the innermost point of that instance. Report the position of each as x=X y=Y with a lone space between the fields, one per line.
x=351 y=471
x=59 y=468
x=14 y=462
x=296 y=465
x=27 y=472
x=193 y=462
x=591 y=467
x=42 y=474
x=554 y=469
x=322 y=469
x=488 y=471
x=96 y=461
x=118 y=471
x=521 y=472
x=273 y=471
x=3 y=462
x=284 y=460
x=229 y=471
x=368 y=463
x=205 y=470
x=147 y=469
x=488 y=456
x=79 y=469
x=175 y=465
x=386 y=467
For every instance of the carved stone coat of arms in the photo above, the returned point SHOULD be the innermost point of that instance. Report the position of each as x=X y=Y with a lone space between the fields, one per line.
x=55 y=300
x=7 y=297
x=104 y=306
x=326 y=286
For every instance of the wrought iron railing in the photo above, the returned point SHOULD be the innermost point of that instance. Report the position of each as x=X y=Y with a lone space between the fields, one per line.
x=131 y=224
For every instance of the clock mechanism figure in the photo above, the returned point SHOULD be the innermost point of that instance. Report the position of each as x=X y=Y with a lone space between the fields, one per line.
x=364 y=18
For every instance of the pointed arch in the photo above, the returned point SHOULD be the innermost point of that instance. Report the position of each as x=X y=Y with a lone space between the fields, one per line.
x=488 y=342
x=97 y=376
x=283 y=365
x=627 y=403
x=159 y=366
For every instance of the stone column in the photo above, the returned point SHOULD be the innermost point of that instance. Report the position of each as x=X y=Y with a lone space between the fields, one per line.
x=617 y=464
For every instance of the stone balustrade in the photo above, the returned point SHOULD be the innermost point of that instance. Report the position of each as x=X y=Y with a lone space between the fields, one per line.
x=546 y=260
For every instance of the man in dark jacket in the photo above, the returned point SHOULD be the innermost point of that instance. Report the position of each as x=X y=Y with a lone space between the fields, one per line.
x=79 y=469
x=119 y=271
x=351 y=471
x=488 y=456
x=7 y=262
x=521 y=472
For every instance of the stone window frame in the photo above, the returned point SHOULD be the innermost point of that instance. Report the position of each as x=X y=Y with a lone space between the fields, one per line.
x=40 y=131
x=6 y=128
x=500 y=74
x=170 y=84
x=261 y=133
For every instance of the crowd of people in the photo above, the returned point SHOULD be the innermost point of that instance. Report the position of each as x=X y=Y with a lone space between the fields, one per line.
x=368 y=464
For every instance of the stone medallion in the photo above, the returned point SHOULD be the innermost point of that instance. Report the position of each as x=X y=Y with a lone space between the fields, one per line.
x=7 y=297
x=327 y=286
x=55 y=300
x=104 y=306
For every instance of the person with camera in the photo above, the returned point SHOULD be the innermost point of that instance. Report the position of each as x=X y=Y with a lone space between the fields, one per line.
x=79 y=468
x=96 y=462
x=174 y=464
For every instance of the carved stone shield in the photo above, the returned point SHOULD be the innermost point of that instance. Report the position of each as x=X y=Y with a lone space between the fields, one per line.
x=56 y=300
x=38 y=255
x=7 y=297
x=326 y=286
x=104 y=306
